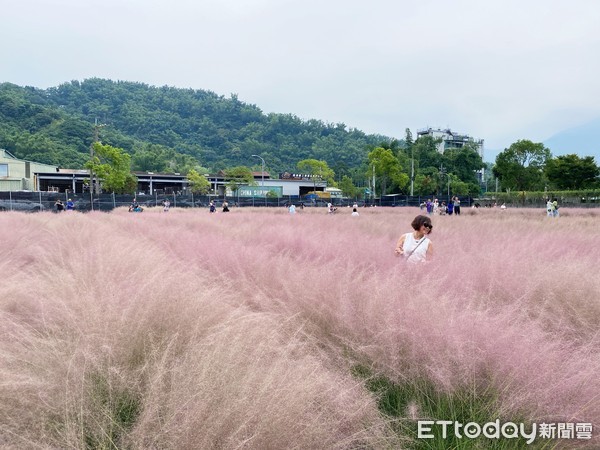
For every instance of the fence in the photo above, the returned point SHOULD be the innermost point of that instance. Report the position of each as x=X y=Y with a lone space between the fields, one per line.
x=45 y=201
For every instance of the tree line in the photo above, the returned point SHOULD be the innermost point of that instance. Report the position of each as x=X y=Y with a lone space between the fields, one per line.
x=529 y=166
x=193 y=132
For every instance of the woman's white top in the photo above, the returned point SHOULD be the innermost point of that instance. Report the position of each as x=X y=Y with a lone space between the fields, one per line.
x=416 y=248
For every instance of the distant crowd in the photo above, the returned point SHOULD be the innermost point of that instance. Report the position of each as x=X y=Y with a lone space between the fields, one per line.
x=431 y=207
x=435 y=207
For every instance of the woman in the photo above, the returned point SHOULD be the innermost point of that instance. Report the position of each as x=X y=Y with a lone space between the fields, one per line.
x=416 y=247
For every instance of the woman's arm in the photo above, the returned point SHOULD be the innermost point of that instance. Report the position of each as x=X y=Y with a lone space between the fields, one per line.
x=429 y=254
x=400 y=246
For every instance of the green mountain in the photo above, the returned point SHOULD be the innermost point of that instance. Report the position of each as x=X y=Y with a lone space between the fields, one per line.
x=167 y=129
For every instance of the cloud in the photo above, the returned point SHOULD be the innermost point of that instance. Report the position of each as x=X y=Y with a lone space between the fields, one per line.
x=498 y=70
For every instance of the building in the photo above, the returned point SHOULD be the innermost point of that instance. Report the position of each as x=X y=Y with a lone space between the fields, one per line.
x=150 y=183
x=62 y=180
x=18 y=174
x=286 y=185
x=450 y=139
x=22 y=175
x=77 y=181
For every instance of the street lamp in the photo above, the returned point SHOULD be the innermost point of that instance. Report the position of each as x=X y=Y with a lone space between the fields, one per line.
x=262 y=173
x=443 y=172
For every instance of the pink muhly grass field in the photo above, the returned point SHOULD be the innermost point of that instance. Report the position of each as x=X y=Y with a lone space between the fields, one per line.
x=194 y=330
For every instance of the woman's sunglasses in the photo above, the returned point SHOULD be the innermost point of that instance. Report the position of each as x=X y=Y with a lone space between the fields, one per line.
x=428 y=226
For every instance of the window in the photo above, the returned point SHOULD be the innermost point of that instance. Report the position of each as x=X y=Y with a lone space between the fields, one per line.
x=3 y=170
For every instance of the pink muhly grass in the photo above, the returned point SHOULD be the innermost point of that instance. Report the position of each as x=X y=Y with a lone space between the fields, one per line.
x=488 y=263
x=107 y=339
x=202 y=315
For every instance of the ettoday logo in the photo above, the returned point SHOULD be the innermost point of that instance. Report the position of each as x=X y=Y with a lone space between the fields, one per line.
x=507 y=430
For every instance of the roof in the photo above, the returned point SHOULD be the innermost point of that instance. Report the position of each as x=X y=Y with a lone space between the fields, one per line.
x=76 y=171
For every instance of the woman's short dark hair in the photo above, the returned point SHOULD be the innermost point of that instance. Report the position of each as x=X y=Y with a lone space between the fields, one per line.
x=419 y=221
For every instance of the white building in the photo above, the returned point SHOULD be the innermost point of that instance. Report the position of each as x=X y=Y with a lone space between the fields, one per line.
x=450 y=139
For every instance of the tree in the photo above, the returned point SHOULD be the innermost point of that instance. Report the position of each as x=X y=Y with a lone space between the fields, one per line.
x=464 y=162
x=426 y=152
x=148 y=161
x=426 y=183
x=341 y=169
x=317 y=169
x=237 y=177
x=458 y=187
x=198 y=183
x=572 y=172
x=521 y=166
x=180 y=163
x=221 y=132
x=387 y=169
x=113 y=167
x=347 y=187
x=408 y=140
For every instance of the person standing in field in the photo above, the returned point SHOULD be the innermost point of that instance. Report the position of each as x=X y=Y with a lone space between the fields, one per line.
x=70 y=205
x=416 y=247
x=549 y=208
x=443 y=209
x=292 y=209
x=456 y=201
x=429 y=206
x=166 y=205
x=450 y=207
x=59 y=205
x=555 y=212
x=225 y=206
x=355 y=212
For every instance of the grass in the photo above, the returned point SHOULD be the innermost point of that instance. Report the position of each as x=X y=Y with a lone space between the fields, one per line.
x=407 y=403
x=258 y=329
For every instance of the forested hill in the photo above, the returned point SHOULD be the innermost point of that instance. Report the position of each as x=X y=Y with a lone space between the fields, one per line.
x=166 y=128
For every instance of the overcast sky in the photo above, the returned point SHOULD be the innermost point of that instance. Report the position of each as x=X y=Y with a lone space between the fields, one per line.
x=499 y=70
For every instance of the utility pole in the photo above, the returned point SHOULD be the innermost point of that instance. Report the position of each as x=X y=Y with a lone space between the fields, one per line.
x=443 y=172
x=411 y=144
x=94 y=185
x=373 y=192
x=412 y=175
x=320 y=174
